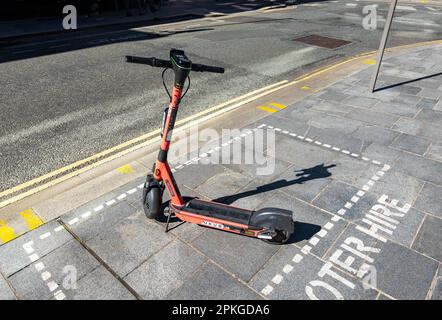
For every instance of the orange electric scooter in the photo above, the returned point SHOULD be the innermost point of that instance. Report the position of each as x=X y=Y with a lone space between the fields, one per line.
x=269 y=224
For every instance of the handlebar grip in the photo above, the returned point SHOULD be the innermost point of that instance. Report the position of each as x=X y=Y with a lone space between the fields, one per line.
x=206 y=68
x=154 y=62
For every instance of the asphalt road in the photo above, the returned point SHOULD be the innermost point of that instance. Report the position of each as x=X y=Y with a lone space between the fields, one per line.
x=69 y=98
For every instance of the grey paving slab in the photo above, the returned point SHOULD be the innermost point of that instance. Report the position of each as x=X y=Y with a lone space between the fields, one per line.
x=403 y=273
x=397 y=185
x=381 y=153
x=336 y=138
x=333 y=95
x=431 y=116
x=429 y=238
x=384 y=95
x=262 y=169
x=399 y=109
x=332 y=107
x=407 y=125
x=411 y=143
x=305 y=274
x=345 y=125
x=430 y=200
x=6 y=292
x=212 y=283
x=129 y=242
x=426 y=103
x=304 y=183
x=435 y=151
x=252 y=195
x=371 y=133
x=223 y=184
x=437 y=291
x=71 y=258
x=165 y=271
x=98 y=222
x=337 y=194
x=430 y=131
x=13 y=255
x=352 y=171
x=430 y=93
x=291 y=118
x=406 y=99
x=242 y=256
x=419 y=167
x=362 y=102
x=196 y=174
x=408 y=227
x=377 y=118
x=303 y=154
x=309 y=221
x=100 y=284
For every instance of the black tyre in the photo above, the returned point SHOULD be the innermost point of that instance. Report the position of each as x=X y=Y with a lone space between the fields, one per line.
x=152 y=202
x=281 y=237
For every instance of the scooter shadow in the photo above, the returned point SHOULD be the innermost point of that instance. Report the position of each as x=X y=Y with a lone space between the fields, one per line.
x=303 y=230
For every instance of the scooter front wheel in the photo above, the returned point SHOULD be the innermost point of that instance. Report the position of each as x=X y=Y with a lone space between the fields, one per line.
x=152 y=198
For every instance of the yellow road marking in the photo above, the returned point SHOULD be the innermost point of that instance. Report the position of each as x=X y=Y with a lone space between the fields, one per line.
x=369 y=61
x=305 y=88
x=32 y=220
x=264 y=108
x=125 y=169
x=6 y=232
x=278 y=105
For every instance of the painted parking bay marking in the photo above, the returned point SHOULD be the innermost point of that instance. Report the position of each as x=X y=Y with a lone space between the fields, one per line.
x=272 y=107
x=382 y=219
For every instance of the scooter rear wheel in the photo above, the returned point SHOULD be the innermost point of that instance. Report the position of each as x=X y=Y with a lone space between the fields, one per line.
x=281 y=237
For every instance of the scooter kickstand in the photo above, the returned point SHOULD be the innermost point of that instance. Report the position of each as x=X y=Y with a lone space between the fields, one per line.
x=168 y=220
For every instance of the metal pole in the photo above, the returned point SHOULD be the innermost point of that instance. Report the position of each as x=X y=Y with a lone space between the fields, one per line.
x=383 y=43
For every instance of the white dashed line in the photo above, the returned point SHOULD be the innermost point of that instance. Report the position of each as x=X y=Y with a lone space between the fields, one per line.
x=45 y=235
x=277 y=279
x=328 y=225
x=267 y=290
x=287 y=268
x=73 y=221
x=297 y=258
x=314 y=241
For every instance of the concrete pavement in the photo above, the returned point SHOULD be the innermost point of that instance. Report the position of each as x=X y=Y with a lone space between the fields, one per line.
x=360 y=171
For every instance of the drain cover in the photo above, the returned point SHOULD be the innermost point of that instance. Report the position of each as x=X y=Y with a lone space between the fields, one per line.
x=320 y=41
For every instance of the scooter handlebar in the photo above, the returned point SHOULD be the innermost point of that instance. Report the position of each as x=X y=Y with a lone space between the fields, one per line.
x=160 y=63
x=154 y=62
x=206 y=68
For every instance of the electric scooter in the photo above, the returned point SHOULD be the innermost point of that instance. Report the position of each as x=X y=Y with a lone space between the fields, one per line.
x=272 y=225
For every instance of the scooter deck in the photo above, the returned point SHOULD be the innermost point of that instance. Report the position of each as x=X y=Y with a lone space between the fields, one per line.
x=219 y=211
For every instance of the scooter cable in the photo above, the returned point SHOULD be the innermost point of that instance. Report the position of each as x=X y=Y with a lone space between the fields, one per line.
x=167 y=90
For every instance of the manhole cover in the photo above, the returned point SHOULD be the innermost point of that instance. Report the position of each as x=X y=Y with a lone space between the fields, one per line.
x=325 y=42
